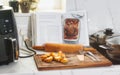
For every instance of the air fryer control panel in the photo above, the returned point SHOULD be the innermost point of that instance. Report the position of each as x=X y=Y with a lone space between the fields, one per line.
x=5 y=27
x=6 y=23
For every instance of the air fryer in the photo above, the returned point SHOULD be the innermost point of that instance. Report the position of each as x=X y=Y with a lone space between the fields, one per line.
x=9 y=50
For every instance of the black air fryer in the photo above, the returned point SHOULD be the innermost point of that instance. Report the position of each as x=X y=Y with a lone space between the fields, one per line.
x=9 y=48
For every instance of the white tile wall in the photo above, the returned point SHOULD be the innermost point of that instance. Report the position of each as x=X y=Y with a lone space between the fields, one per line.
x=23 y=21
x=101 y=13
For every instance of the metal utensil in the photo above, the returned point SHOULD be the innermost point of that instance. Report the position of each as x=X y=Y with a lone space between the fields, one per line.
x=89 y=56
x=92 y=56
x=82 y=52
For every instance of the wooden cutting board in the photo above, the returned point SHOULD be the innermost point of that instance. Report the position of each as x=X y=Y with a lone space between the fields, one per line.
x=74 y=62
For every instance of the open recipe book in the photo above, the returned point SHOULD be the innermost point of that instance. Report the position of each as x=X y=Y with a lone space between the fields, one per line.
x=50 y=27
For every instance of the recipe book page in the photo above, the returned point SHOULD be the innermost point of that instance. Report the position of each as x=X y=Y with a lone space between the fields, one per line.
x=48 y=27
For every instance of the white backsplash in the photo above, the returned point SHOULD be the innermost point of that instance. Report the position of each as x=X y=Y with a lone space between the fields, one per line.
x=101 y=13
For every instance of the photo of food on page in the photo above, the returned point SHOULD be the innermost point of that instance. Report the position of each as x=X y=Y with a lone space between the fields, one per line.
x=71 y=29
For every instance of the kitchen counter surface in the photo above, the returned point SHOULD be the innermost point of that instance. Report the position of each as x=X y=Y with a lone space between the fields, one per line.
x=27 y=66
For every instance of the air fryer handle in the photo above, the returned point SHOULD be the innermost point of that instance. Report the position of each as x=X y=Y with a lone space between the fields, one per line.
x=106 y=47
x=15 y=48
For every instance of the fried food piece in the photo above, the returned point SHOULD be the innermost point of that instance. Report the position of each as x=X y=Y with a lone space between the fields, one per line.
x=60 y=53
x=53 y=54
x=48 y=59
x=64 y=60
x=48 y=54
x=57 y=58
x=43 y=57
